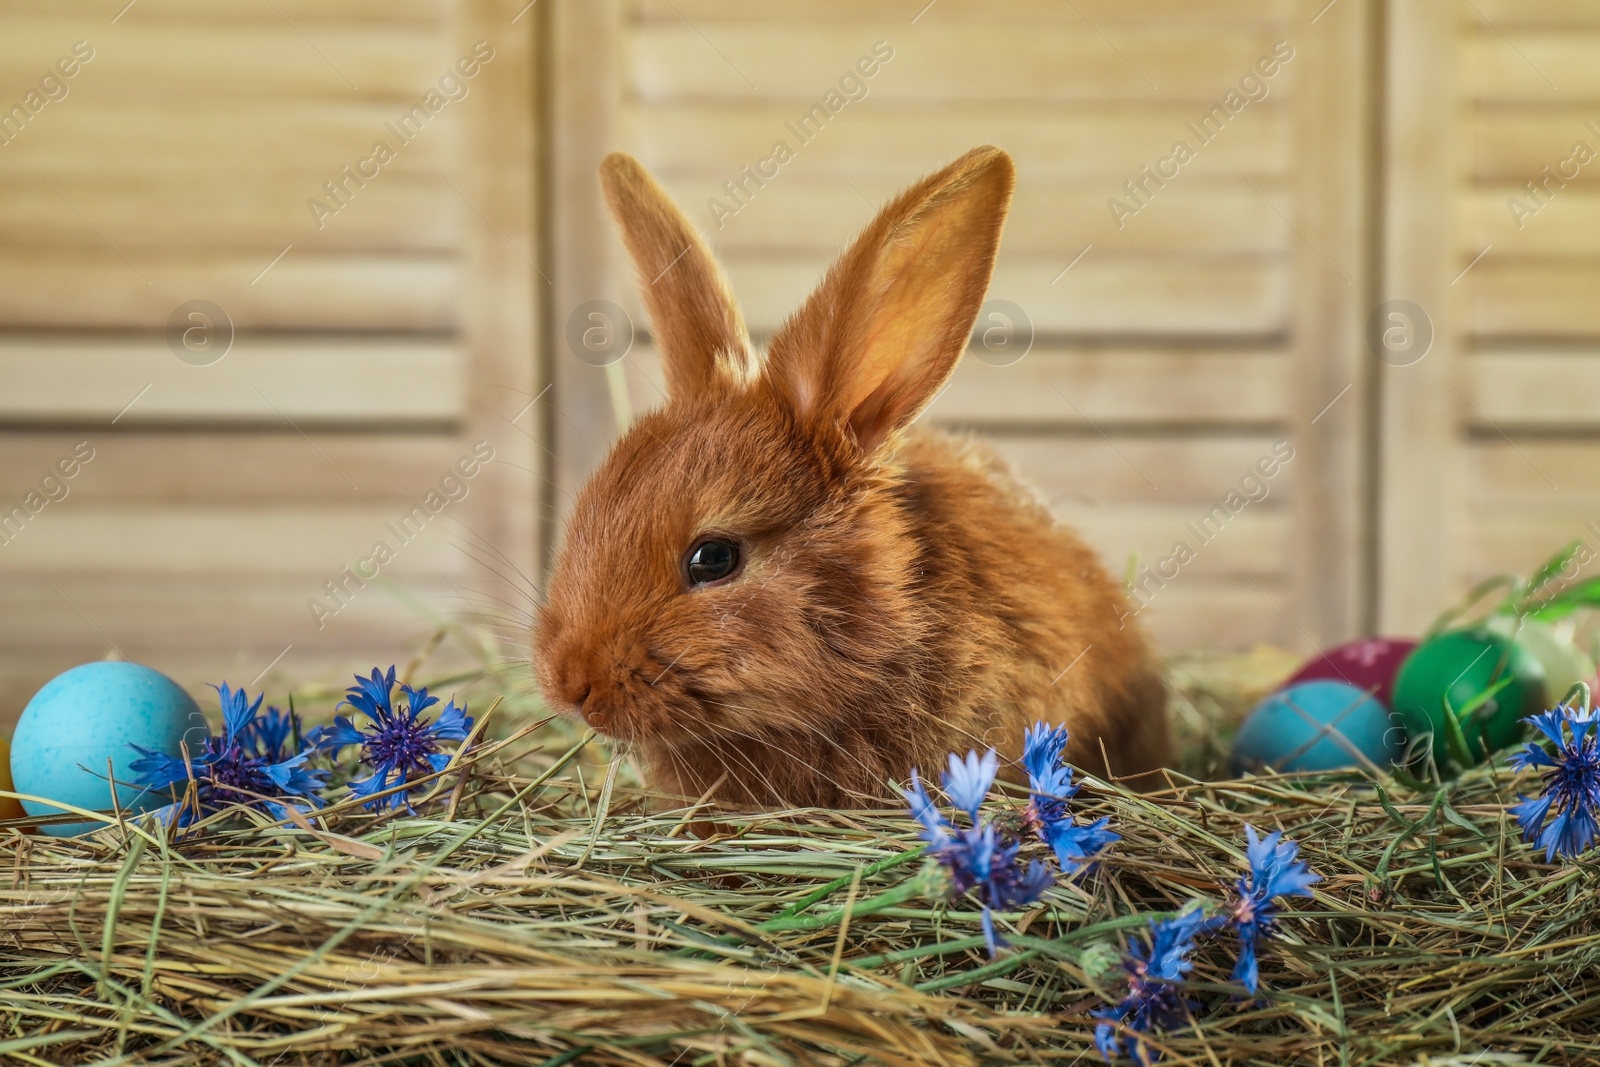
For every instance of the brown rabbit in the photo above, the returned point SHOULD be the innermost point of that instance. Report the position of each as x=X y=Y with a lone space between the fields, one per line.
x=775 y=591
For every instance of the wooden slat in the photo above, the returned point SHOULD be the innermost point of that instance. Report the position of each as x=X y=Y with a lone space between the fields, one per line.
x=1131 y=394
x=98 y=14
x=193 y=133
x=1254 y=542
x=271 y=61
x=269 y=382
x=1420 y=475
x=1088 y=386
x=1509 y=144
x=1525 y=297
x=1226 y=614
x=1512 y=474
x=1504 y=540
x=145 y=616
x=1123 y=468
x=950 y=61
x=1545 y=13
x=884 y=137
x=501 y=172
x=1110 y=11
x=1048 y=218
x=1085 y=386
x=1527 y=65
x=181 y=539
x=306 y=289
x=402 y=212
x=1521 y=387
x=584 y=52
x=1332 y=374
x=1130 y=294
x=1568 y=225
x=259 y=469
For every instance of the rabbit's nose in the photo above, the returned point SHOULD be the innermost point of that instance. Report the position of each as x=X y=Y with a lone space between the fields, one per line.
x=592 y=714
x=576 y=689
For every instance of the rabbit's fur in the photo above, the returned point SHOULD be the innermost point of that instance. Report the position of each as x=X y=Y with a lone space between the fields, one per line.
x=901 y=595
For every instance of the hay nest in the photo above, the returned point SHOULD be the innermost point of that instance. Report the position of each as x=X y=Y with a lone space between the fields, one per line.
x=540 y=913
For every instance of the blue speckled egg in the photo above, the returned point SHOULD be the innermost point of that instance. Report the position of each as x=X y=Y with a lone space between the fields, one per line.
x=88 y=715
x=1317 y=726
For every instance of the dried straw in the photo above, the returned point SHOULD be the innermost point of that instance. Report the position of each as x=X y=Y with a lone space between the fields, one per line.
x=534 y=915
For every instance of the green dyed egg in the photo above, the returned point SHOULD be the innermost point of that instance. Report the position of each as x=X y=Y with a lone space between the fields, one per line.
x=1461 y=664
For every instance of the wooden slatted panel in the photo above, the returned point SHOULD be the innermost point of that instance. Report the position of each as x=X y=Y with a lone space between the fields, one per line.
x=1507 y=421
x=1533 y=321
x=372 y=350
x=1163 y=362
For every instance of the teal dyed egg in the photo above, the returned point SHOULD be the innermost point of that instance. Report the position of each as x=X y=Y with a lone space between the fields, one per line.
x=1317 y=726
x=87 y=716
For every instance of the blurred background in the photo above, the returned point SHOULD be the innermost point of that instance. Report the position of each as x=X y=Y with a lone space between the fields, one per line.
x=311 y=322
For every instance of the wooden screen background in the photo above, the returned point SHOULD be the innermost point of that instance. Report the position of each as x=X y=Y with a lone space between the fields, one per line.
x=1228 y=312
x=1489 y=450
x=370 y=354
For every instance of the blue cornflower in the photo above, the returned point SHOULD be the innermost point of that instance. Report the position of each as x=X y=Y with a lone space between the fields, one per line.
x=1571 y=782
x=398 y=745
x=1155 y=999
x=976 y=857
x=1051 y=786
x=277 y=734
x=1275 y=871
x=936 y=829
x=967 y=781
x=250 y=764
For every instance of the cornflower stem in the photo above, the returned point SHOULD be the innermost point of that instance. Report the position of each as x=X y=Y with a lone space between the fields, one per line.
x=843 y=881
x=924 y=883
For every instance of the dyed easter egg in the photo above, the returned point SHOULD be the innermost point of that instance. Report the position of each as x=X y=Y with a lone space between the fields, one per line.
x=1370 y=665
x=1462 y=664
x=88 y=716
x=1316 y=726
x=9 y=808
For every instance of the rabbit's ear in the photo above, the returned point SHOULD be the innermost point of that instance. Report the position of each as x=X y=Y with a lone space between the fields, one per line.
x=881 y=335
x=695 y=321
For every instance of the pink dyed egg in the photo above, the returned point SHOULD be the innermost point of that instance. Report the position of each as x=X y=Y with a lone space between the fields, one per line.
x=1369 y=664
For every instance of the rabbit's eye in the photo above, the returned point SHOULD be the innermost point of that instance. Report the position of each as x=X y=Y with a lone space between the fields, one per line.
x=712 y=560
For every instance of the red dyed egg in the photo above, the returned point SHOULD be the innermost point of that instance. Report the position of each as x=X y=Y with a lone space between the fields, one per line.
x=1369 y=664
